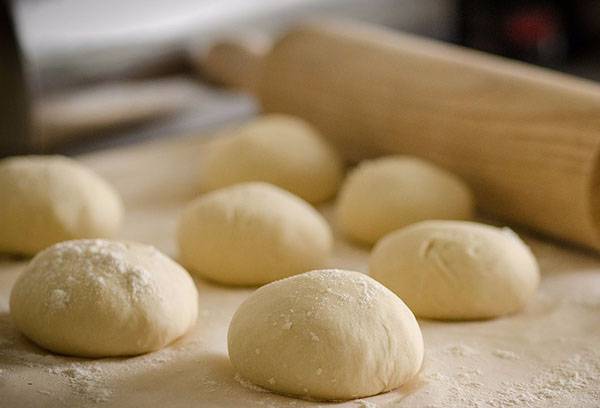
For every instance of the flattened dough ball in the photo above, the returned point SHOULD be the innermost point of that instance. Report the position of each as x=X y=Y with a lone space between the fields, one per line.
x=100 y=298
x=251 y=234
x=382 y=195
x=456 y=269
x=278 y=149
x=325 y=334
x=48 y=199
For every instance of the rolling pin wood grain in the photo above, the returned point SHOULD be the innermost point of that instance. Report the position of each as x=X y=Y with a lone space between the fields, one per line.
x=525 y=138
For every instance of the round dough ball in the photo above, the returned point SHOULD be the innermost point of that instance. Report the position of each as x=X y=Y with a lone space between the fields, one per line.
x=325 y=334
x=382 y=195
x=48 y=199
x=100 y=298
x=251 y=234
x=278 y=149
x=456 y=269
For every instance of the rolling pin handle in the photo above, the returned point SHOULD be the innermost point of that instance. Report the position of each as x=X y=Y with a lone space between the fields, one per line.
x=235 y=63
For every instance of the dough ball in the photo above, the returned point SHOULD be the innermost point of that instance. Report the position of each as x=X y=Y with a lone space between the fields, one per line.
x=325 y=334
x=278 y=149
x=456 y=269
x=382 y=195
x=251 y=234
x=48 y=199
x=100 y=298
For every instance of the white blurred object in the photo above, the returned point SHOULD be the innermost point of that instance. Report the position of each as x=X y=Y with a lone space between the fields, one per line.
x=73 y=46
x=88 y=38
x=61 y=117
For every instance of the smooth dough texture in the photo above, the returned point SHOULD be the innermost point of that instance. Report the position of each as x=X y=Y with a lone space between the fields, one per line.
x=382 y=195
x=325 y=334
x=48 y=199
x=100 y=298
x=456 y=269
x=251 y=234
x=278 y=149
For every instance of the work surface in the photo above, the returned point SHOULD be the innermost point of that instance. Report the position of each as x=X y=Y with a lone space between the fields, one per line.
x=547 y=355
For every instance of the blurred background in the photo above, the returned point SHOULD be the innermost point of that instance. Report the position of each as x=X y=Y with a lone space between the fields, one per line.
x=80 y=75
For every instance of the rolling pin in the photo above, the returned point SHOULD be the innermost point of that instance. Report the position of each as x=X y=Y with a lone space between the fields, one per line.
x=526 y=139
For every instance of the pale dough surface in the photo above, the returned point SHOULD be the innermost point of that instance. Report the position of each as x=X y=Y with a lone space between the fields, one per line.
x=48 y=199
x=546 y=356
x=250 y=234
x=103 y=298
x=278 y=149
x=381 y=195
x=326 y=334
x=456 y=270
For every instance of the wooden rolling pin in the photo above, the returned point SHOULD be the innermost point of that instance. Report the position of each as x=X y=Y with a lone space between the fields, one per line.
x=525 y=138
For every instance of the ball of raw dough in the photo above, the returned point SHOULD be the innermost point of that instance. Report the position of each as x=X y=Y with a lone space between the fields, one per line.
x=251 y=234
x=456 y=269
x=100 y=298
x=382 y=195
x=325 y=334
x=48 y=199
x=278 y=149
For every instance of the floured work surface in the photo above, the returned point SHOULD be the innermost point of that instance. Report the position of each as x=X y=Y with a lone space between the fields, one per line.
x=549 y=355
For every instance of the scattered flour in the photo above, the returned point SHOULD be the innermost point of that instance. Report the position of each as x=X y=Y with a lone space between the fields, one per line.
x=575 y=379
x=211 y=385
x=579 y=374
x=58 y=299
x=365 y=404
x=92 y=262
x=505 y=354
x=461 y=350
x=456 y=382
x=247 y=384
x=85 y=380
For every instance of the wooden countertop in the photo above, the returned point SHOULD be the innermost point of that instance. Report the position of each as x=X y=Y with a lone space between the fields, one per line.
x=547 y=355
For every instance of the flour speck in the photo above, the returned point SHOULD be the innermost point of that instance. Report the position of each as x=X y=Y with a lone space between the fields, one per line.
x=58 y=299
x=505 y=354
x=247 y=384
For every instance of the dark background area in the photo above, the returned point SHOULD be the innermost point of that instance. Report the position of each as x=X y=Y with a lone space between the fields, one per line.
x=564 y=35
